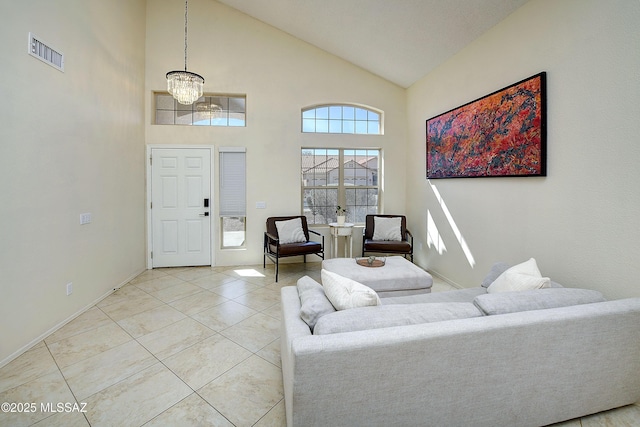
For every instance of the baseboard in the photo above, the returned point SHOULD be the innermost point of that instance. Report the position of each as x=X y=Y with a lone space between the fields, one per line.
x=40 y=338
x=446 y=279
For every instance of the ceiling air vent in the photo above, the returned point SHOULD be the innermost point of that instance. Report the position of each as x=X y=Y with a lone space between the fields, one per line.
x=45 y=53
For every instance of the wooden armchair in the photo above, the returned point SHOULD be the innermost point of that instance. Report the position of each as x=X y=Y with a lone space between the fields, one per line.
x=404 y=246
x=274 y=249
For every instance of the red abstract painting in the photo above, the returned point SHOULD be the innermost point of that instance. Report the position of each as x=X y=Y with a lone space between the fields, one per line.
x=501 y=134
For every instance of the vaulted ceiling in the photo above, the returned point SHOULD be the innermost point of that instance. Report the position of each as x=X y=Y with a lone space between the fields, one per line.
x=399 y=40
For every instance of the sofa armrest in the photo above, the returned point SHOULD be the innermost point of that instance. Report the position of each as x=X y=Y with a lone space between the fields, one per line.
x=292 y=328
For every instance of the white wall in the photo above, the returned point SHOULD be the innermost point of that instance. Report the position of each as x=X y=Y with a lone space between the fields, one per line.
x=279 y=75
x=580 y=222
x=70 y=143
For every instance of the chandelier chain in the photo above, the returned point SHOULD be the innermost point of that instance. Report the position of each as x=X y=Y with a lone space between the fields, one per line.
x=186 y=15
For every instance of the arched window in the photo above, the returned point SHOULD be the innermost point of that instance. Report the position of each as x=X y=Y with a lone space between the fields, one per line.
x=342 y=118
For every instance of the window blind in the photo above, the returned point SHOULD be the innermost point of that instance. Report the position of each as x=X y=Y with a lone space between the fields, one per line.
x=233 y=181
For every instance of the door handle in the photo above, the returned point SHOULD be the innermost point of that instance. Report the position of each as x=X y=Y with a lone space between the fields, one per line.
x=204 y=214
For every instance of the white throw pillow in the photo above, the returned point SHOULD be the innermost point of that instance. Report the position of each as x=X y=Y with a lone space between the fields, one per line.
x=313 y=301
x=522 y=277
x=290 y=231
x=345 y=293
x=386 y=228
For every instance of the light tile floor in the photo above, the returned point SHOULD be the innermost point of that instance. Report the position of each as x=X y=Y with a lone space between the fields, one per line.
x=181 y=346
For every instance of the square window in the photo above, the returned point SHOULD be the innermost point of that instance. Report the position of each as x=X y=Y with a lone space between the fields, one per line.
x=322 y=126
x=348 y=126
x=348 y=113
x=183 y=117
x=165 y=102
x=335 y=112
x=164 y=117
x=237 y=119
x=361 y=114
x=308 y=125
x=201 y=119
x=322 y=113
x=335 y=126
x=237 y=105
x=361 y=127
x=233 y=232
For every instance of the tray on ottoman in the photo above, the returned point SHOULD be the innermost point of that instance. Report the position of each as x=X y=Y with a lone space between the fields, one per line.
x=397 y=277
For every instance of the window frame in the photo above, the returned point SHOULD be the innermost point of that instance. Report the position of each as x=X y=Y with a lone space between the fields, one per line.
x=190 y=113
x=232 y=201
x=361 y=125
x=343 y=154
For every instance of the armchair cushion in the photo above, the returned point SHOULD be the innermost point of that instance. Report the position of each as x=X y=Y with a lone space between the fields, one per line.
x=370 y=225
x=300 y=248
x=387 y=228
x=290 y=231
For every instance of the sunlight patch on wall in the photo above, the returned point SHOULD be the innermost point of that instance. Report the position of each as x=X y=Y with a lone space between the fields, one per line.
x=454 y=227
x=433 y=235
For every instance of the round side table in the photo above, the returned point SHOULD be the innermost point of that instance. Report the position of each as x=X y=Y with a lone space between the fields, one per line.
x=341 y=230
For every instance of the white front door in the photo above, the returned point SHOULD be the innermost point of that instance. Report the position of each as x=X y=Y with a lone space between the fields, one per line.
x=181 y=206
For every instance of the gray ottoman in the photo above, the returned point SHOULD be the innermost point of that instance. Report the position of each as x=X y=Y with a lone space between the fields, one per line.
x=397 y=277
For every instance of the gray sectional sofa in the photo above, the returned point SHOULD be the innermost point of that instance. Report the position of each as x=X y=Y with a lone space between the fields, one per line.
x=459 y=358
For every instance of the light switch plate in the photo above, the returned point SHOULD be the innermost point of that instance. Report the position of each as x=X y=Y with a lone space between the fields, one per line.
x=261 y=205
x=85 y=218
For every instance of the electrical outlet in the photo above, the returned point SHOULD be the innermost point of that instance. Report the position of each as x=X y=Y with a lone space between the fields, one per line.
x=261 y=205
x=69 y=288
x=85 y=218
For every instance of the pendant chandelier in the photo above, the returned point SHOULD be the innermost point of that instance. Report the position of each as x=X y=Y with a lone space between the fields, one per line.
x=185 y=86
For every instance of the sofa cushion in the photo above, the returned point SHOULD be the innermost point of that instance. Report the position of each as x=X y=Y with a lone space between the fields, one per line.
x=290 y=231
x=314 y=303
x=496 y=270
x=521 y=277
x=539 y=299
x=458 y=295
x=345 y=293
x=385 y=316
x=387 y=228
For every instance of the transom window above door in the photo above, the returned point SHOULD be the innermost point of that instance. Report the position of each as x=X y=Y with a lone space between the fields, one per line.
x=342 y=118
x=209 y=110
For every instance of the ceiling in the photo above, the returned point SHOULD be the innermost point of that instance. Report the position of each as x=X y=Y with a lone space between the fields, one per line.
x=399 y=40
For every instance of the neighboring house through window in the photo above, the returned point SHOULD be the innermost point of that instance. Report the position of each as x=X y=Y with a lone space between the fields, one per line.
x=340 y=177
